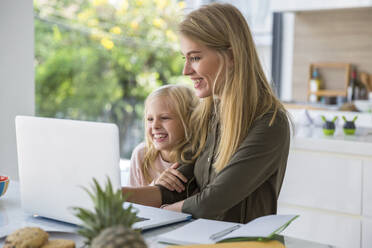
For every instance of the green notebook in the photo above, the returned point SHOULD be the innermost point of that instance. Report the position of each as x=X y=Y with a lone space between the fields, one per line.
x=203 y=231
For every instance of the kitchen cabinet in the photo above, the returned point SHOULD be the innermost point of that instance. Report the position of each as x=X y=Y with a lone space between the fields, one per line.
x=295 y=5
x=328 y=183
x=367 y=233
x=367 y=190
x=335 y=182
x=323 y=227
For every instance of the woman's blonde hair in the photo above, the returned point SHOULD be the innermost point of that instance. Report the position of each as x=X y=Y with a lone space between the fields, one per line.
x=182 y=100
x=242 y=89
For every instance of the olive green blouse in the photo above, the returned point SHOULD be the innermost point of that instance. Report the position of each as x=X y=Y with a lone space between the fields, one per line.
x=249 y=186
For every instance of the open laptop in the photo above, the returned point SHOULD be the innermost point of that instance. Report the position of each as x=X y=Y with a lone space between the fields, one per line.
x=155 y=217
x=57 y=157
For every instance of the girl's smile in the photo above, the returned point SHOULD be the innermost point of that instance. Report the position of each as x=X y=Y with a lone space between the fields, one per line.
x=163 y=126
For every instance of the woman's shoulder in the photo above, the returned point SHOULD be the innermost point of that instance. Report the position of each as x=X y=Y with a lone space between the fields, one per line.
x=273 y=118
x=266 y=136
x=271 y=125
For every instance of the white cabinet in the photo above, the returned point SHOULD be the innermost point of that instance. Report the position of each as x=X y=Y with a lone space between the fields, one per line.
x=367 y=233
x=367 y=204
x=367 y=189
x=332 y=193
x=295 y=5
x=334 y=183
x=323 y=227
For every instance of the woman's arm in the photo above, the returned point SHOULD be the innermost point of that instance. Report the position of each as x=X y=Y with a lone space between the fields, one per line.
x=154 y=195
x=148 y=195
x=261 y=156
x=177 y=207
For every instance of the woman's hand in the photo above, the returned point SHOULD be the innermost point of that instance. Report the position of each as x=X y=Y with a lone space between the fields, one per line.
x=171 y=179
x=177 y=207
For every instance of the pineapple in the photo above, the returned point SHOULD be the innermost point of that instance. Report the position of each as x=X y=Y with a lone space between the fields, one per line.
x=110 y=222
x=118 y=236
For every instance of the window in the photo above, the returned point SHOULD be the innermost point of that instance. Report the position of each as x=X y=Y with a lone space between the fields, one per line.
x=97 y=60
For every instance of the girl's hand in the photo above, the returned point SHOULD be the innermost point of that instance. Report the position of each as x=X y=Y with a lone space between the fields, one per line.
x=171 y=179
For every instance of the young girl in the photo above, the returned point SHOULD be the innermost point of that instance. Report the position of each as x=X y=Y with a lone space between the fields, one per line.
x=167 y=124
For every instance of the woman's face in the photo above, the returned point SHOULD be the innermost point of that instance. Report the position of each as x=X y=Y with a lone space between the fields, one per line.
x=201 y=65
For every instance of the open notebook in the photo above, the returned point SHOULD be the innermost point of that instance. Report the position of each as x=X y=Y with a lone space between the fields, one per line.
x=204 y=231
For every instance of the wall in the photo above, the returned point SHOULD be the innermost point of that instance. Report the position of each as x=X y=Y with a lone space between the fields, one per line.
x=330 y=36
x=287 y=56
x=259 y=18
x=16 y=75
x=295 y=5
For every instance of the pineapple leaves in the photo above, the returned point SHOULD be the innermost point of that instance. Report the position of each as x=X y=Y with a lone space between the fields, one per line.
x=108 y=211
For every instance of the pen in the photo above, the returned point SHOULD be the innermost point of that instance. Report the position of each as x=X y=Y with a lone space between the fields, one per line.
x=223 y=232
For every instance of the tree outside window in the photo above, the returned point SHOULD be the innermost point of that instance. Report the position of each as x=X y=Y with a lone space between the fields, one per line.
x=97 y=60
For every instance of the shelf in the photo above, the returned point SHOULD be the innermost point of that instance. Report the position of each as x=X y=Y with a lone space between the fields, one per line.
x=329 y=93
x=304 y=106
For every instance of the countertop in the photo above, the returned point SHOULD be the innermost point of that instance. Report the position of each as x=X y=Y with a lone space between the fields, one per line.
x=310 y=106
x=307 y=133
x=312 y=138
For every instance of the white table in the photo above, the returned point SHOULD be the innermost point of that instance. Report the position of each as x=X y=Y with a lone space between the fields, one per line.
x=13 y=217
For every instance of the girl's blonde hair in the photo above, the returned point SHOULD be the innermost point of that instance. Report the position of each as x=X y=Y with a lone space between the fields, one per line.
x=242 y=89
x=182 y=100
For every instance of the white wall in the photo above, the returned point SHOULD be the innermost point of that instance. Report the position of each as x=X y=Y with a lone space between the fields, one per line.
x=295 y=5
x=260 y=25
x=287 y=56
x=17 y=85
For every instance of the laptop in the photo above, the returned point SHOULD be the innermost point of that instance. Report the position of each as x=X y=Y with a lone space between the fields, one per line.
x=58 y=157
x=154 y=217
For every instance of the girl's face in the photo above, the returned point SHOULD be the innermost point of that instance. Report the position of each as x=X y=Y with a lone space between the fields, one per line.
x=201 y=65
x=164 y=127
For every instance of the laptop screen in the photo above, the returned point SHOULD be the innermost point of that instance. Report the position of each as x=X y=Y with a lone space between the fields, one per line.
x=57 y=158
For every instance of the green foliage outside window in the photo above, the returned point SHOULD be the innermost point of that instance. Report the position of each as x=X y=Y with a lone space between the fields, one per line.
x=98 y=60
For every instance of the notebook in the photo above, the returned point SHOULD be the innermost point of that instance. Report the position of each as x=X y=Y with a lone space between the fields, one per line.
x=203 y=231
x=244 y=244
x=58 y=157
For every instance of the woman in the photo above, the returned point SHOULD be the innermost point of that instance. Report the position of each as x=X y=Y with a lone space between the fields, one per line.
x=242 y=136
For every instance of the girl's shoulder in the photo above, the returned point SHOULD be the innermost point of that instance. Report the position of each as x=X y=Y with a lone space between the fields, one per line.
x=139 y=151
